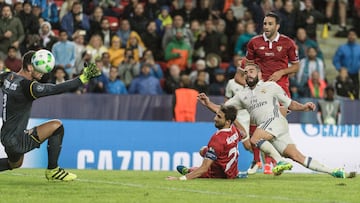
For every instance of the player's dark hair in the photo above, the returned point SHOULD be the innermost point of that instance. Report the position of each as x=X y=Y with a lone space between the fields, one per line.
x=274 y=15
x=229 y=111
x=26 y=60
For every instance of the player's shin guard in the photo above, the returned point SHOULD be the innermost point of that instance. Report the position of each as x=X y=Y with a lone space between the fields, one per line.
x=4 y=164
x=54 y=147
x=268 y=148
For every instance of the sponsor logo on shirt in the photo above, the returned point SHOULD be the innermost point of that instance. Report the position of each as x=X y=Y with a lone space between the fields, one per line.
x=279 y=48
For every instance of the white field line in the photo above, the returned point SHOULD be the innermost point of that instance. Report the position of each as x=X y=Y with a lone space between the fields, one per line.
x=178 y=189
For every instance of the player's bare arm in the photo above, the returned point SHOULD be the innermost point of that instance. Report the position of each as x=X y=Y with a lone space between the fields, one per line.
x=296 y=106
x=195 y=173
x=204 y=100
x=278 y=74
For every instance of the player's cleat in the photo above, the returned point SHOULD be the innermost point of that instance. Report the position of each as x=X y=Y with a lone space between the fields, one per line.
x=267 y=169
x=280 y=167
x=254 y=167
x=352 y=174
x=59 y=174
x=339 y=173
x=182 y=169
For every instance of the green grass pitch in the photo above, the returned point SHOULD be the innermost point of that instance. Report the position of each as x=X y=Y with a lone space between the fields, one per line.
x=30 y=185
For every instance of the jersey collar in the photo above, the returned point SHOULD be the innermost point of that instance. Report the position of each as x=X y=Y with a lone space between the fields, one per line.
x=275 y=40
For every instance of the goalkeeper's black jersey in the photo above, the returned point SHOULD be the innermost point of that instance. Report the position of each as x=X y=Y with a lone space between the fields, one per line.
x=18 y=96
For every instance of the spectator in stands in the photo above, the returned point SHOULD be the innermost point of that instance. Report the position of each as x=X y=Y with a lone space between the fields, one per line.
x=138 y=21
x=129 y=68
x=152 y=9
x=129 y=10
x=219 y=85
x=3 y=67
x=115 y=85
x=50 y=13
x=187 y=12
x=348 y=56
x=309 y=18
x=220 y=28
x=315 y=86
x=199 y=66
x=163 y=21
x=308 y=65
x=178 y=25
x=30 y=24
x=303 y=43
x=230 y=22
x=211 y=40
x=65 y=8
x=96 y=46
x=240 y=29
x=12 y=31
x=329 y=108
x=152 y=41
x=105 y=32
x=124 y=32
x=95 y=21
x=75 y=20
x=288 y=15
x=239 y=9
x=155 y=70
x=64 y=53
x=12 y=62
x=172 y=79
x=145 y=83
x=80 y=51
x=296 y=92
x=137 y=45
x=185 y=100
x=116 y=52
x=109 y=7
x=47 y=36
x=233 y=66
x=179 y=52
x=344 y=85
x=203 y=10
x=241 y=43
x=342 y=11
x=105 y=58
x=17 y=7
x=58 y=75
x=200 y=83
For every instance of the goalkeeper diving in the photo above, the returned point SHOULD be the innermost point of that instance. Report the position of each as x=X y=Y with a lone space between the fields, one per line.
x=19 y=91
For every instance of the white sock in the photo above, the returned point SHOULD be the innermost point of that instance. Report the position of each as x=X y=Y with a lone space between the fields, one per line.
x=316 y=166
x=269 y=149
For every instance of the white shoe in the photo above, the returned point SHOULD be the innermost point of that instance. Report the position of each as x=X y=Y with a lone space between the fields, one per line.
x=254 y=167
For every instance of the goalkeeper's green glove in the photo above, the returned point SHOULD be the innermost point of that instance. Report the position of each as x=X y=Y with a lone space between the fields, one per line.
x=90 y=71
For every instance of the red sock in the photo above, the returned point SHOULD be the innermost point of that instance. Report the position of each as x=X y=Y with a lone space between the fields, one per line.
x=269 y=160
x=256 y=152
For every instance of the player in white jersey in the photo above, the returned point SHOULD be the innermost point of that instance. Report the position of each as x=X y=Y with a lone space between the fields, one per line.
x=261 y=99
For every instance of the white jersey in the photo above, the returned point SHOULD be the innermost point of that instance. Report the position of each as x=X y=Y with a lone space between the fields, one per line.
x=243 y=117
x=262 y=102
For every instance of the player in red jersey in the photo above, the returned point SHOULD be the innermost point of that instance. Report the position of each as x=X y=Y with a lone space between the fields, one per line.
x=277 y=57
x=221 y=158
x=273 y=52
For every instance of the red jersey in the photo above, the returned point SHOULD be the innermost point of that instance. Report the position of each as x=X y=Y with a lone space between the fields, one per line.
x=273 y=56
x=223 y=150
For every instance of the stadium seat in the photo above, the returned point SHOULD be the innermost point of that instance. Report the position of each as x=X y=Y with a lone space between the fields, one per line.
x=224 y=65
x=114 y=22
x=163 y=65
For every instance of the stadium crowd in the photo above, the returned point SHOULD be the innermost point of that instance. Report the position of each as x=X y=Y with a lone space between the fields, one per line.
x=144 y=47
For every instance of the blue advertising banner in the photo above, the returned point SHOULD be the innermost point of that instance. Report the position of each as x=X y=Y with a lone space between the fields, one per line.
x=130 y=145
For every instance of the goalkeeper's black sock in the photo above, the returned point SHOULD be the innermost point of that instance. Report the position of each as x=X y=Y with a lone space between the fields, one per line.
x=4 y=164
x=54 y=147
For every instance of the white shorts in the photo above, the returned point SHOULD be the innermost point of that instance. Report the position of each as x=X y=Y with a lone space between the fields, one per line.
x=279 y=128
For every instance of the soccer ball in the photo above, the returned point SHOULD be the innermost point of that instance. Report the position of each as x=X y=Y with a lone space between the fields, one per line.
x=43 y=61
